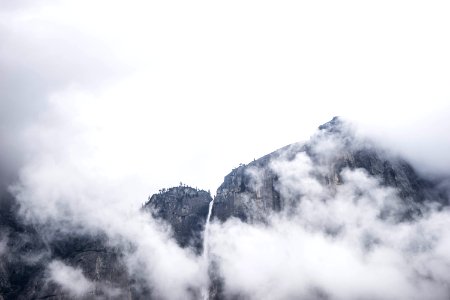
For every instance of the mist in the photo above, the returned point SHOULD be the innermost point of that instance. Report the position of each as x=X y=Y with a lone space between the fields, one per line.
x=334 y=242
x=102 y=104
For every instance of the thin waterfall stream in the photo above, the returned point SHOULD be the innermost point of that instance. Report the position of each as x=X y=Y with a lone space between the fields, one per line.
x=205 y=254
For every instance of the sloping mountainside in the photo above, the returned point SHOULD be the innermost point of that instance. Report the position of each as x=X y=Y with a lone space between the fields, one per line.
x=28 y=255
x=335 y=161
x=251 y=192
x=291 y=181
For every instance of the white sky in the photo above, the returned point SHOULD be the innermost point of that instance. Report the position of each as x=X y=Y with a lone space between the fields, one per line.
x=157 y=92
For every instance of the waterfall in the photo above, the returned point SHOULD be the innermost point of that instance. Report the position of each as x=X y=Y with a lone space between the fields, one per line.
x=205 y=254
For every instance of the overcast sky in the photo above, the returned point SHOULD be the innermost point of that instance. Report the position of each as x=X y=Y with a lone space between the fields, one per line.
x=149 y=94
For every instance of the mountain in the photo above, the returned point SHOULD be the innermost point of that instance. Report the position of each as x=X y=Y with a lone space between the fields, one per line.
x=251 y=192
x=317 y=171
x=277 y=184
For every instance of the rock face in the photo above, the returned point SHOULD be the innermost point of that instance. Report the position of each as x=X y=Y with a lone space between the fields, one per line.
x=26 y=253
x=257 y=190
x=17 y=242
x=185 y=209
x=251 y=192
x=239 y=197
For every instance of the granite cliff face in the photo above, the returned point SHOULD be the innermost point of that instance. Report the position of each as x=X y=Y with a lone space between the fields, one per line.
x=251 y=192
x=185 y=209
x=278 y=182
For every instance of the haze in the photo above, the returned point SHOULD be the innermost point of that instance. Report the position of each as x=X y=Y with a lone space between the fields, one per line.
x=151 y=94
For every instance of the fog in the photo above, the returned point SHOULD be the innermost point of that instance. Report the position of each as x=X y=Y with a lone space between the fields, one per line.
x=102 y=104
x=71 y=279
x=240 y=79
x=335 y=242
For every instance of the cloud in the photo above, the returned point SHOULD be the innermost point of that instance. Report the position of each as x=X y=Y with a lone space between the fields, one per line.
x=340 y=241
x=80 y=206
x=40 y=56
x=100 y=107
x=173 y=81
x=70 y=279
x=419 y=138
x=66 y=185
x=332 y=243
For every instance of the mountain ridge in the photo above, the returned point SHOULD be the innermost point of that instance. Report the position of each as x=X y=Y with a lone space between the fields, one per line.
x=274 y=184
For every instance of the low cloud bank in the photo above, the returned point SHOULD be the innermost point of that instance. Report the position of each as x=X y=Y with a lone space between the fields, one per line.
x=344 y=241
x=83 y=154
x=341 y=240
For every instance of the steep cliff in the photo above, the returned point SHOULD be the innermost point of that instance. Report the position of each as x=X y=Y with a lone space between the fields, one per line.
x=185 y=209
x=251 y=192
x=318 y=170
x=29 y=252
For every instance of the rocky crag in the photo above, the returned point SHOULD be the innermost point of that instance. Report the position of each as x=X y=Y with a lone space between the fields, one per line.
x=185 y=209
x=251 y=192
x=27 y=249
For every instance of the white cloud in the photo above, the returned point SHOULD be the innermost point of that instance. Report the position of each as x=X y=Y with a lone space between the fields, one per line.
x=334 y=243
x=68 y=183
x=206 y=77
x=70 y=279
x=104 y=103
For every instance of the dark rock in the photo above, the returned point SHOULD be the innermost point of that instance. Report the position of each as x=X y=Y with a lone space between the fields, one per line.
x=29 y=250
x=251 y=192
x=240 y=196
x=335 y=125
x=185 y=209
x=24 y=250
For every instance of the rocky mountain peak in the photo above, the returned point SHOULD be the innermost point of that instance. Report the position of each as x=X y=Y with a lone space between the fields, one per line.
x=333 y=125
x=254 y=191
x=186 y=209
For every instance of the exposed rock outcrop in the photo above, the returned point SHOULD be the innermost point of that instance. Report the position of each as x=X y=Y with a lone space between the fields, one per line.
x=185 y=209
x=255 y=191
x=251 y=192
